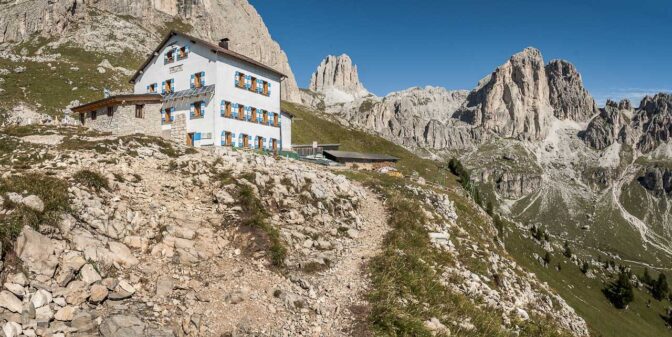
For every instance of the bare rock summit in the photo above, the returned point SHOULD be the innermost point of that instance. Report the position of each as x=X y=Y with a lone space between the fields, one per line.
x=513 y=101
x=568 y=96
x=337 y=78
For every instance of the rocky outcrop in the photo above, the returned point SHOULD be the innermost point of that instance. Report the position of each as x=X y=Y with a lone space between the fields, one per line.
x=337 y=78
x=609 y=127
x=139 y=25
x=653 y=119
x=416 y=118
x=513 y=101
x=569 y=98
x=657 y=180
x=512 y=185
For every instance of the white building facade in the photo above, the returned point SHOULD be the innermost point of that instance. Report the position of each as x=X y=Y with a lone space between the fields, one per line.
x=215 y=97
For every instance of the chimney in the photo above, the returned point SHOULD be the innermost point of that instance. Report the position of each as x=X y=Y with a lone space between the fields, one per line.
x=224 y=43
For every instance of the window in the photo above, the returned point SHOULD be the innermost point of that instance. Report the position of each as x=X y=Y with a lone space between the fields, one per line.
x=265 y=91
x=139 y=113
x=253 y=87
x=274 y=144
x=228 y=139
x=94 y=114
x=227 y=110
x=198 y=109
x=168 y=86
x=110 y=111
x=253 y=115
x=167 y=116
x=183 y=53
x=170 y=56
x=246 y=141
x=265 y=117
x=241 y=112
x=240 y=80
x=197 y=80
x=151 y=88
x=275 y=119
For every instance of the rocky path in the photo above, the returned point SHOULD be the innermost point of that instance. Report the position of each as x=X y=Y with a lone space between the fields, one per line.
x=347 y=281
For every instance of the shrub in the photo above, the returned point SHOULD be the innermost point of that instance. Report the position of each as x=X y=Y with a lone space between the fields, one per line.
x=620 y=292
x=91 y=179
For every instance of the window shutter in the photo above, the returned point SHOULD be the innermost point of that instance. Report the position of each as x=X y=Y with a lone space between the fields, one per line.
x=163 y=116
x=260 y=116
x=172 y=114
x=235 y=79
x=279 y=119
x=191 y=115
x=163 y=88
x=270 y=118
x=192 y=83
x=235 y=110
x=197 y=136
x=172 y=85
x=221 y=109
x=186 y=51
x=203 y=78
x=265 y=143
x=269 y=88
x=147 y=88
x=240 y=140
x=203 y=109
x=248 y=82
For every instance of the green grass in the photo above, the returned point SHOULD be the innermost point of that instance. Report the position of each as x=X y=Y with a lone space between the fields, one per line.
x=91 y=179
x=51 y=88
x=406 y=289
x=586 y=297
x=52 y=191
x=309 y=126
x=254 y=215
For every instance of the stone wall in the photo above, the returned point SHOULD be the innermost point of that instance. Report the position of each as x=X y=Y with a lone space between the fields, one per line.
x=123 y=120
x=178 y=131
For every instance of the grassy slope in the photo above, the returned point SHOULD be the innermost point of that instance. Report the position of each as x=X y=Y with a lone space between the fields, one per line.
x=580 y=292
x=307 y=127
x=388 y=319
x=585 y=295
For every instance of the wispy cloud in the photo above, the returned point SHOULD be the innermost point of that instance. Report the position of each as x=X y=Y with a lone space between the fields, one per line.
x=635 y=95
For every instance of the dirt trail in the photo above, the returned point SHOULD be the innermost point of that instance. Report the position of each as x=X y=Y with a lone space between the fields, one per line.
x=335 y=299
x=347 y=282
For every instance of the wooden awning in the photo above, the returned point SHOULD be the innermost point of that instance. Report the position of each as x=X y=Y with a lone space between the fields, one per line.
x=130 y=99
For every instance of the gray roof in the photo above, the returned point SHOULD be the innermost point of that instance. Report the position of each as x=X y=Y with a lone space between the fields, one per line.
x=190 y=93
x=359 y=155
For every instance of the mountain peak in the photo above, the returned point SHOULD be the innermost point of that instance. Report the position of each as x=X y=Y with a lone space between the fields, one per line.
x=338 y=79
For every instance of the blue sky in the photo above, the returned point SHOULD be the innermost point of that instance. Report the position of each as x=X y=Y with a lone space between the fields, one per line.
x=621 y=48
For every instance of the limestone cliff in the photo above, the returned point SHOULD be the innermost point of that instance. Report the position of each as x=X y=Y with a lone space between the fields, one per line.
x=609 y=127
x=653 y=119
x=415 y=118
x=570 y=100
x=337 y=78
x=514 y=100
x=115 y=26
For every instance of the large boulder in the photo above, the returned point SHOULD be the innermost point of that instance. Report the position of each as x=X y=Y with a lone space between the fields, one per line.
x=37 y=252
x=122 y=326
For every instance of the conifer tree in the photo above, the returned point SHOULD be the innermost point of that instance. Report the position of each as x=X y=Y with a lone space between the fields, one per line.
x=620 y=292
x=660 y=287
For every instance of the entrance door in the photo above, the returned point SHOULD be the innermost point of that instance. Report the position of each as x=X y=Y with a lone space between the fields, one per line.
x=246 y=142
x=190 y=139
x=229 y=139
x=275 y=145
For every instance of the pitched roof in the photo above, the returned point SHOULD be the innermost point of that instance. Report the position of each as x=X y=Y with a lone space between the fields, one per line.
x=119 y=100
x=215 y=48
